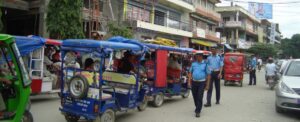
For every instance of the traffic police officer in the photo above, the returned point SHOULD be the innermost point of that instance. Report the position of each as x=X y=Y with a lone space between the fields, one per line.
x=199 y=78
x=215 y=65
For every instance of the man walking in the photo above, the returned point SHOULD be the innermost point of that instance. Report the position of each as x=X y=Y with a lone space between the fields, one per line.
x=215 y=65
x=252 y=73
x=199 y=77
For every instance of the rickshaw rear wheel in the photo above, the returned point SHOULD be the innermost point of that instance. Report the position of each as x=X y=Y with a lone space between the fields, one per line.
x=27 y=117
x=158 y=99
x=108 y=116
x=144 y=104
x=186 y=94
x=71 y=118
x=78 y=82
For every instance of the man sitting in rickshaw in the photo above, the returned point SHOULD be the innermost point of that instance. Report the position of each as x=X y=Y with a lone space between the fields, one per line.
x=126 y=66
x=174 y=69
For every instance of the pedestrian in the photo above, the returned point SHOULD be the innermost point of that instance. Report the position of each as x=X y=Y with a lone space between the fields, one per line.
x=259 y=64
x=215 y=65
x=199 y=78
x=252 y=69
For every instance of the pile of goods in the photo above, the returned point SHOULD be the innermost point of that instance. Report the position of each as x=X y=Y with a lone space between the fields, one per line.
x=162 y=41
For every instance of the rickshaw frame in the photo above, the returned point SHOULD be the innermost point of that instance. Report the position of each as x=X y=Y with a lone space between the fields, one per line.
x=158 y=91
x=103 y=48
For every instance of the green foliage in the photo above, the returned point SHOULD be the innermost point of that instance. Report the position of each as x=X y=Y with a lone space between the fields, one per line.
x=64 y=19
x=119 y=30
x=264 y=50
x=290 y=47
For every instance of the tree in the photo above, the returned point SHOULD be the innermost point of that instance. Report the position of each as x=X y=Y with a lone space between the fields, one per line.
x=263 y=50
x=64 y=19
x=290 y=47
x=119 y=30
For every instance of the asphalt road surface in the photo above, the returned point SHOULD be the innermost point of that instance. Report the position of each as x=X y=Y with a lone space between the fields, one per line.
x=238 y=104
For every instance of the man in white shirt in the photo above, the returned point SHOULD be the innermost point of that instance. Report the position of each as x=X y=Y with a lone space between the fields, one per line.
x=259 y=63
x=270 y=69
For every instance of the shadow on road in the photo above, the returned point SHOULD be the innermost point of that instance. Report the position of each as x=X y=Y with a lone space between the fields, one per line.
x=291 y=114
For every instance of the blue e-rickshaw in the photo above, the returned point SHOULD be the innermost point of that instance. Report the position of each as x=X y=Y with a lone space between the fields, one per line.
x=165 y=80
x=96 y=94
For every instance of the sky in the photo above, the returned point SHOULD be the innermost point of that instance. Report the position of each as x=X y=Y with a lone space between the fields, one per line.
x=287 y=15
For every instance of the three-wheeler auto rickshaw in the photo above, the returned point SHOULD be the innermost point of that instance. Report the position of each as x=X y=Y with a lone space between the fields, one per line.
x=97 y=91
x=34 y=51
x=165 y=80
x=234 y=68
x=14 y=83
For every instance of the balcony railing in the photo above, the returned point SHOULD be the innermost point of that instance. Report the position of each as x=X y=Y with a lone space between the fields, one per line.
x=208 y=13
x=172 y=23
x=234 y=24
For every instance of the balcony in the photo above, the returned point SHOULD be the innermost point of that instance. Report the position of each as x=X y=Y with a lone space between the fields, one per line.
x=208 y=14
x=212 y=36
x=161 y=24
x=251 y=30
x=206 y=34
x=234 y=24
x=185 y=4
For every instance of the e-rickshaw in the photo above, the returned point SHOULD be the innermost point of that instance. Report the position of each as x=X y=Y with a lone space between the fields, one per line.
x=97 y=93
x=14 y=83
x=165 y=80
x=234 y=68
x=44 y=75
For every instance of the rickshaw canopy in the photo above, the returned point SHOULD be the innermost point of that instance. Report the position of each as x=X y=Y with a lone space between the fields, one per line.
x=87 y=45
x=167 y=48
x=27 y=45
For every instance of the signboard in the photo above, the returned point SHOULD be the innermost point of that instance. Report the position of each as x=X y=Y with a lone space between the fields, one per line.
x=261 y=10
x=272 y=33
x=243 y=44
x=200 y=33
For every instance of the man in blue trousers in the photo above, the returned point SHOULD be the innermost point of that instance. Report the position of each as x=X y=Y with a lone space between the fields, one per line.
x=215 y=65
x=199 y=78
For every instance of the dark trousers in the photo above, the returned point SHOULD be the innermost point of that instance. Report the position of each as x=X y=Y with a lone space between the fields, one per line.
x=214 y=80
x=198 y=91
x=252 y=77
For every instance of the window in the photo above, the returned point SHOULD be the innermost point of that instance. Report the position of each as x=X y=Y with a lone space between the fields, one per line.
x=210 y=6
x=293 y=69
x=137 y=13
x=159 y=18
x=225 y=19
x=210 y=27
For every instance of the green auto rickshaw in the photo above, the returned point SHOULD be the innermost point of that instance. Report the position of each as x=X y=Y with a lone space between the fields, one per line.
x=14 y=83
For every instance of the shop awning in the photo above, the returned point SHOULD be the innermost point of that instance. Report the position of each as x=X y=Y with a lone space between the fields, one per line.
x=228 y=46
x=204 y=43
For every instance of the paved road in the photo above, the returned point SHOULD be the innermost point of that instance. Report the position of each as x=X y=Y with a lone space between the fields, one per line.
x=246 y=104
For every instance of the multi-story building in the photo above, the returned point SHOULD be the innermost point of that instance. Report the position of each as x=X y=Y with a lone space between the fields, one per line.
x=150 y=19
x=239 y=28
x=27 y=17
x=204 y=22
x=272 y=34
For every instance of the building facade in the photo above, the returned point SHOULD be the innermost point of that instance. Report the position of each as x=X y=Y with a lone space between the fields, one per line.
x=239 y=28
x=205 y=21
x=27 y=17
x=272 y=34
x=168 y=19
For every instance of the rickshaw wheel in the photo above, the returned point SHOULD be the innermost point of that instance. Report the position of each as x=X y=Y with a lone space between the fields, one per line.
x=71 y=118
x=186 y=94
x=144 y=104
x=27 y=117
x=78 y=87
x=225 y=83
x=107 y=116
x=158 y=100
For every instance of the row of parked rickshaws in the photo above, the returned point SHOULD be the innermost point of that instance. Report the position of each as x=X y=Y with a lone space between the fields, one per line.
x=95 y=79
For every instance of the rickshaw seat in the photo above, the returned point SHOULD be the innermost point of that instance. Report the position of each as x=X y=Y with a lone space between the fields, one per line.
x=119 y=78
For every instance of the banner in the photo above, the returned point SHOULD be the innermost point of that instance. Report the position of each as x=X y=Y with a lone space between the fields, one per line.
x=261 y=10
